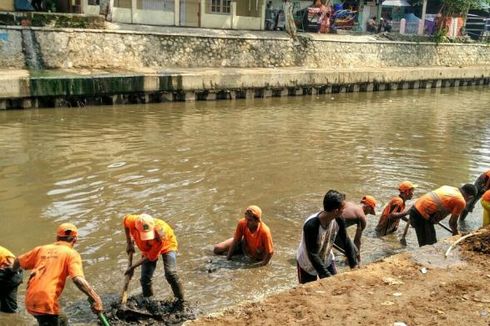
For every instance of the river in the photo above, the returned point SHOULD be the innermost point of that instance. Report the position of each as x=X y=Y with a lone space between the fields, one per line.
x=198 y=165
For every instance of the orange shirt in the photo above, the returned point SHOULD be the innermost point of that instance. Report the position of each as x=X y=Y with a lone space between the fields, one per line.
x=486 y=196
x=6 y=257
x=164 y=242
x=385 y=224
x=451 y=201
x=255 y=244
x=51 y=265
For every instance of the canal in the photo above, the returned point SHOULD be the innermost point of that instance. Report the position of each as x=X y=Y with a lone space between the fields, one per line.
x=198 y=165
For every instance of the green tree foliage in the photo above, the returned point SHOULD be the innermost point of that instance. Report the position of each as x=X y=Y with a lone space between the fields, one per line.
x=460 y=7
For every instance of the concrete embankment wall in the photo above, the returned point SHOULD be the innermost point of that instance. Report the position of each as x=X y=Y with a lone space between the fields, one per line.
x=24 y=90
x=80 y=66
x=103 y=49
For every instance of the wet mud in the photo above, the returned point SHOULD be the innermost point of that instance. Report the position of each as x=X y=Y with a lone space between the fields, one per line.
x=422 y=287
x=138 y=311
x=479 y=243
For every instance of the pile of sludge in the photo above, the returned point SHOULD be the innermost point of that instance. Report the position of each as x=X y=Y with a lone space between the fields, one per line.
x=150 y=312
x=480 y=242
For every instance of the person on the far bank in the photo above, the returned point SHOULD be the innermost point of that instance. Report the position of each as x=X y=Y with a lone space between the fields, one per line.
x=372 y=27
x=395 y=210
x=314 y=257
x=355 y=214
x=482 y=184
x=9 y=282
x=252 y=238
x=434 y=206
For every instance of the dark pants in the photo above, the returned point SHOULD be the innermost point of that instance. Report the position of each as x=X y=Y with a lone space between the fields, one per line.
x=305 y=277
x=170 y=267
x=480 y=187
x=9 y=282
x=51 y=320
x=426 y=233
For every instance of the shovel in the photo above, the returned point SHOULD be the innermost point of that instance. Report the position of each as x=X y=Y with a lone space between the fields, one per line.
x=100 y=315
x=124 y=312
x=127 y=279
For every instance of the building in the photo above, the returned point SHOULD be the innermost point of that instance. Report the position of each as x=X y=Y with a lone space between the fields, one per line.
x=226 y=14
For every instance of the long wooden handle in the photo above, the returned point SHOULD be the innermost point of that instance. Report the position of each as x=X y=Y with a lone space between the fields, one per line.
x=445 y=227
x=342 y=251
x=127 y=279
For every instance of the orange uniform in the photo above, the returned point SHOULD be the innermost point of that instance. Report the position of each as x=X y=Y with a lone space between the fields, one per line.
x=6 y=257
x=486 y=196
x=385 y=224
x=436 y=205
x=51 y=265
x=255 y=244
x=164 y=242
x=485 y=202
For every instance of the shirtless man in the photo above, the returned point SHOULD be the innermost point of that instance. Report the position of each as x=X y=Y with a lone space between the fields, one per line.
x=355 y=214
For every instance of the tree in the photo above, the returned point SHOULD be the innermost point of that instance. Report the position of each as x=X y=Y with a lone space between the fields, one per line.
x=452 y=8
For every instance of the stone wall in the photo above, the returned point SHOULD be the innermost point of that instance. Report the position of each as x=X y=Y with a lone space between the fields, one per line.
x=103 y=49
x=11 y=54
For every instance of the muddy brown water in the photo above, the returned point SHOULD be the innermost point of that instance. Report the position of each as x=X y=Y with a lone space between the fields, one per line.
x=198 y=165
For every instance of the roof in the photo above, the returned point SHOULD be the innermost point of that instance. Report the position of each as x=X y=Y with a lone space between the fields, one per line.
x=396 y=3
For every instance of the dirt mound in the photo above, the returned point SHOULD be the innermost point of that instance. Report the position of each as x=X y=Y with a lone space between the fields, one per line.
x=151 y=312
x=479 y=242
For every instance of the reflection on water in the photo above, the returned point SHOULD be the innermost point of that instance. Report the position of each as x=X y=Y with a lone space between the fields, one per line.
x=198 y=165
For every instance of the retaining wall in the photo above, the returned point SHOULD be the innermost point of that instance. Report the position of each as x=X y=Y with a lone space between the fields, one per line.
x=104 y=49
x=24 y=90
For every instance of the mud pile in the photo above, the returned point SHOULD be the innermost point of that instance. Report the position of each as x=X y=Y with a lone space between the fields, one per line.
x=479 y=242
x=138 y=311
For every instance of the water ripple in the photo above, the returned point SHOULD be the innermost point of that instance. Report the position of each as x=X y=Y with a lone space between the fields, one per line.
x=198 y=165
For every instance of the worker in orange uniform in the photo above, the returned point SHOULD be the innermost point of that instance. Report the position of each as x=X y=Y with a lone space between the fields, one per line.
x=355 y=214
x=395 y=210
x=485 y=202
x=153 y=237
x=9 y=281
x=252 y=238
x=482 y=184
x=51 y=264
x=434 y=206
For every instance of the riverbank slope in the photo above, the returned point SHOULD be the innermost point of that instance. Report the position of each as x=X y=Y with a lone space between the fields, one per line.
x=418 y=288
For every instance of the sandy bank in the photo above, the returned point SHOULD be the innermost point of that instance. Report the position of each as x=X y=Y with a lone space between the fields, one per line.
x=451 y=291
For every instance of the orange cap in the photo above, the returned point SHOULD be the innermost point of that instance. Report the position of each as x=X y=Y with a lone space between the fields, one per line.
x=66 y=229
x=406 y=185
x=145 y=225
x=255 y=211
x=369 y=201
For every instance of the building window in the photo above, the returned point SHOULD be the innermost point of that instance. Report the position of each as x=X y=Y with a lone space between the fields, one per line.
x=219 y=6
x=165 y=5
